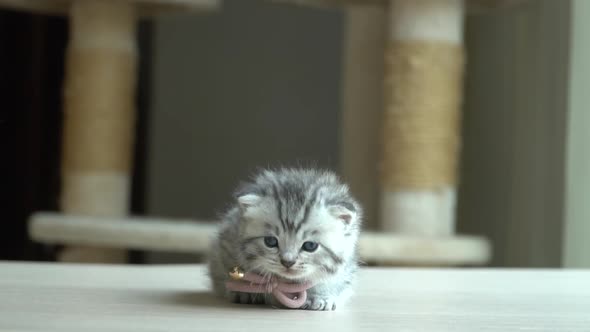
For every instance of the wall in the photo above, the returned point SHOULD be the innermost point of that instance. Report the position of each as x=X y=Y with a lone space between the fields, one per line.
x=576 y=246
x=255 y=84
x=246 y=87
x=514 y=132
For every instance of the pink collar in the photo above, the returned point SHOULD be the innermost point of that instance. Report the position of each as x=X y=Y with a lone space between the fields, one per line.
x=291 y=295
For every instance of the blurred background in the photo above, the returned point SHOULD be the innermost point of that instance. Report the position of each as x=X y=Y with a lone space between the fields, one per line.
x=260 y=84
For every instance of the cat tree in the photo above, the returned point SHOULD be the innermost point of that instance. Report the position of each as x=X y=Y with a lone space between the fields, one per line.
x=420 y=140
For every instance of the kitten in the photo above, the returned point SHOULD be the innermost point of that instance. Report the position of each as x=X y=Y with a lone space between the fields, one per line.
x=295 y=224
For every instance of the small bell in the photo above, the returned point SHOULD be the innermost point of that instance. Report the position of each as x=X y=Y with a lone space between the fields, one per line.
x=236 y=273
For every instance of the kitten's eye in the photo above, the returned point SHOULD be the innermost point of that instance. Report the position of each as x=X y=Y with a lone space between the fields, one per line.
x=310 y=246
x=271 y=241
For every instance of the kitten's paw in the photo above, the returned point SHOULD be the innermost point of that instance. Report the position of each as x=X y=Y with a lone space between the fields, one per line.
x=246 y=298
x=319 y=303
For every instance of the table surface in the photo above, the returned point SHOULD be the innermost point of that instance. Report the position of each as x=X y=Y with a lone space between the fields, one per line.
x=66 y=297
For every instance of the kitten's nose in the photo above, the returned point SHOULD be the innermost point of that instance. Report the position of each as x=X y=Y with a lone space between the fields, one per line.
x=287 y=263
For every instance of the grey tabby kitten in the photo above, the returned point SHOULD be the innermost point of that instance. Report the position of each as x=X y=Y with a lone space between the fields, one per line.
x=296 y=224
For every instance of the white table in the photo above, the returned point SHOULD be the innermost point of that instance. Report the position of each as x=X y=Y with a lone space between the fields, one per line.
x=52 y=297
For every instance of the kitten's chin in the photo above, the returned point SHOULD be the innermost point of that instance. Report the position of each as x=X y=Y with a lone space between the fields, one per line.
x=293 y=275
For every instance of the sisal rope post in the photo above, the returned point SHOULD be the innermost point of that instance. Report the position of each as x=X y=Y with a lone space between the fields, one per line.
x=99 y=95
x=424 y=62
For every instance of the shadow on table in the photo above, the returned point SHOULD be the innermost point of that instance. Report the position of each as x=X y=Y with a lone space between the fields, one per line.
x=200 y=299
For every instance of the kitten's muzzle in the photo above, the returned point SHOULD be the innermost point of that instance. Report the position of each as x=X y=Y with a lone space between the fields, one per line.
x=287 y=263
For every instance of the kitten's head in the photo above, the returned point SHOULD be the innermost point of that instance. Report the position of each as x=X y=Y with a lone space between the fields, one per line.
x=297 y=224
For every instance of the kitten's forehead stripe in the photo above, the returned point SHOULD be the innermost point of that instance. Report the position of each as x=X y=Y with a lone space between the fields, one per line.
x=289 y=223
x=293 y=195
x=277 y=199
x=310 y=203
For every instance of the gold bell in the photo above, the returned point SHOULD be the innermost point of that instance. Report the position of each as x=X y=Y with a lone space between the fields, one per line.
x=236 y=273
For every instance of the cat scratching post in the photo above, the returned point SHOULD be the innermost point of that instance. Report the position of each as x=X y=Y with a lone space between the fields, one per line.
x=99 y=105
x=424 y=64
x=99 y=117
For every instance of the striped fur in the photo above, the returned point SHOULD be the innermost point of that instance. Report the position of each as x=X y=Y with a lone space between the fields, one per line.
x=295 y=206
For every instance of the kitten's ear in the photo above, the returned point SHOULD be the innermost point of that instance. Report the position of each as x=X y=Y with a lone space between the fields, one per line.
x=248 y=200
x=347 y=213
x=247 y=196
